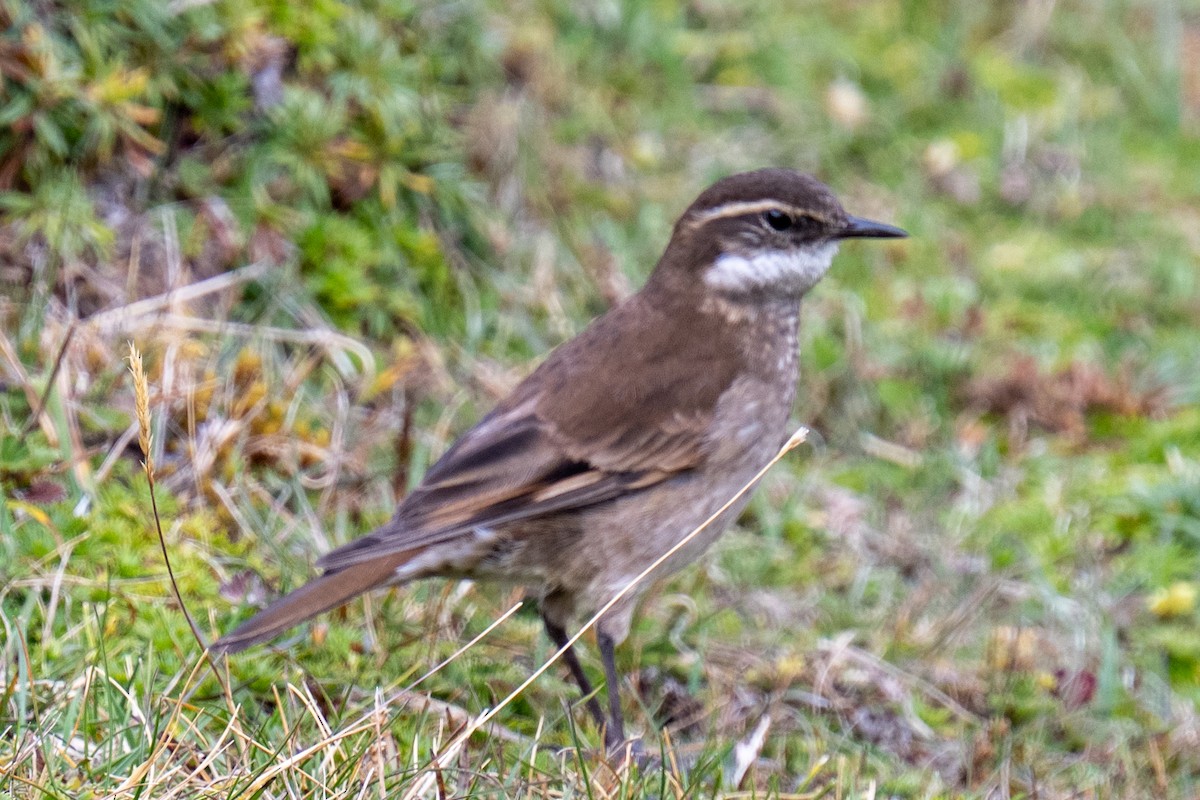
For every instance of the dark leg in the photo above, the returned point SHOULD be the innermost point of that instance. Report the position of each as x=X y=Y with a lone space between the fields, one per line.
x=614 y=734
x=560 y=638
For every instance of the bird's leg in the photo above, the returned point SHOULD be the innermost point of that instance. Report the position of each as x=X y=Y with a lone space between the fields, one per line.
x=614 y=734
x=560 y=639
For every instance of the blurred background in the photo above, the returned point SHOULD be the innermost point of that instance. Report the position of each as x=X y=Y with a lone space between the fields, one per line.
x=341 y=231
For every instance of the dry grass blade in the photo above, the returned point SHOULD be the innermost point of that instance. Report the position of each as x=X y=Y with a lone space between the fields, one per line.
x=9 y=354
x=40 y=408
x=336 y=344
x=117 y=318
x=456 y=715
x=746 y=752
x=450 y=659
x=842 y=647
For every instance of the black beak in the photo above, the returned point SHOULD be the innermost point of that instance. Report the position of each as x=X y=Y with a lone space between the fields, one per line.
x=859 y=228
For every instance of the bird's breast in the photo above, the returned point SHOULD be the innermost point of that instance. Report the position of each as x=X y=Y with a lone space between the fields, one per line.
x=752 y=414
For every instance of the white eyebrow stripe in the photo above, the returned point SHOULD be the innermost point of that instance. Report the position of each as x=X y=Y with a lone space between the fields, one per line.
x=739 y=208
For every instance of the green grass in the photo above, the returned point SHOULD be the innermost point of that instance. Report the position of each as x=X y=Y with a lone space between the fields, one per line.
x=978 y=578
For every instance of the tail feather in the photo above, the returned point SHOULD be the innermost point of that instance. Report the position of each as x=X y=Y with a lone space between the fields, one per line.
x=318 y=595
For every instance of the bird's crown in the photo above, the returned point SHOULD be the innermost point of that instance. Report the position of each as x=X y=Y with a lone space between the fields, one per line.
x=768 y=192
x=771 y=232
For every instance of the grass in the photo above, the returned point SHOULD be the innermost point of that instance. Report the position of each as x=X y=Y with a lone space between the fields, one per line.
x=340 y=232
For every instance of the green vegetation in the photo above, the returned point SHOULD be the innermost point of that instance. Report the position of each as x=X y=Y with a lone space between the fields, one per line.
x=339 y=232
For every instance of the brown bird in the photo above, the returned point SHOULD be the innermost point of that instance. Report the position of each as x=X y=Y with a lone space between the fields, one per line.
x=626 y=438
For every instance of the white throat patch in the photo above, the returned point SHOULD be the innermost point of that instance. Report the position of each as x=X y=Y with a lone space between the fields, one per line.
x=783 y=271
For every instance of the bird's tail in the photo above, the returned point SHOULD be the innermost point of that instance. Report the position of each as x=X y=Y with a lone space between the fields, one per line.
x=320 y=594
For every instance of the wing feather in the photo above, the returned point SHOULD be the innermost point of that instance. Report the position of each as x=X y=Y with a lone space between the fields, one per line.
x=560 y=442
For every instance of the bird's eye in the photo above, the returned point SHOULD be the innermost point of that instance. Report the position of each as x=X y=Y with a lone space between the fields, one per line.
x=778 y=220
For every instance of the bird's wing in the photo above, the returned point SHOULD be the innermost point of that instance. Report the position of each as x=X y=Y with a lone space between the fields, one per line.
x=561 y=442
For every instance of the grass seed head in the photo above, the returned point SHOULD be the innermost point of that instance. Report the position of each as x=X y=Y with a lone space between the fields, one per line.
x=141 y=401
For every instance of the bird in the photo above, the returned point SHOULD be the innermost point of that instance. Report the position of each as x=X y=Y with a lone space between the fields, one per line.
x=624 y=439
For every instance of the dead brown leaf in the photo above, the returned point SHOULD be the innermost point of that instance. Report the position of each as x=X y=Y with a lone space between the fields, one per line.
x=1060 y=401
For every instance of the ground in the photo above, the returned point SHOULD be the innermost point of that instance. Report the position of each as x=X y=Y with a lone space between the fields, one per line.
x=340 y=232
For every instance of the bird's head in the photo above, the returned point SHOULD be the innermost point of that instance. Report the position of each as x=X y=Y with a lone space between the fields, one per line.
x=771 y=232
